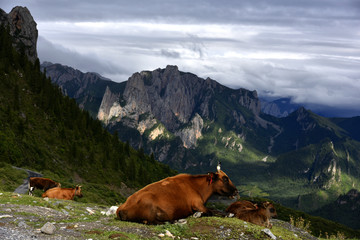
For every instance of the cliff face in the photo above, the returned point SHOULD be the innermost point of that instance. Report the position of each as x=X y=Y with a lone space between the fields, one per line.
x=23 y=29
x=180 y=101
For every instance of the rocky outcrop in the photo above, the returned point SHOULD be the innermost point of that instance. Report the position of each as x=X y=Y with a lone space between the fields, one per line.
x=23 y=29
x=191 y=133
x=109 y=107
x=180 y=101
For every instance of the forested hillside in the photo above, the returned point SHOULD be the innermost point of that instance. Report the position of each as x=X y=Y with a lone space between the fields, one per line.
x=42 y=130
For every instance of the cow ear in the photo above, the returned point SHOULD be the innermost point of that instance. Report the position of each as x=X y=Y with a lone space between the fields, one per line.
x=211 y=177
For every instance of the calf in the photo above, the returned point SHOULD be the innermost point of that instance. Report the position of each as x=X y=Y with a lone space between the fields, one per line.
x=241 y=206
x=259 y=214
x=63 y=193
x=175 y=197
x=41 y=183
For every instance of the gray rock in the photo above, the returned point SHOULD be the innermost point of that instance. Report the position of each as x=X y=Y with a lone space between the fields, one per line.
x=197 y=214
x=48 y=228
x=23 y=29
x=23 y=224
x=269 y=233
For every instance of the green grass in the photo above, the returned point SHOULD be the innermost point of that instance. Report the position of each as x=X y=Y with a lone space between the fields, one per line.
x=10 y=178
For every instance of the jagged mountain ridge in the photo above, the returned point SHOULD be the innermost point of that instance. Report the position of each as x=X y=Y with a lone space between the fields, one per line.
x=171 y=100
x=173 y=97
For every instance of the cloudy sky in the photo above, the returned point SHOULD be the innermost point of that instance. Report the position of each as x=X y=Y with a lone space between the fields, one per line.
x=306 y=49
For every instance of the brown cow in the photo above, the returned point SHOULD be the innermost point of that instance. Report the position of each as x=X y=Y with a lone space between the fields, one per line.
x=241 y=205
x=41 y=183
x=63 y=193
x=259 y=214
x=175 y=197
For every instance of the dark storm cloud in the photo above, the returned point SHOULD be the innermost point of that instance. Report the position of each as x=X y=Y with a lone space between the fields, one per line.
x=186 y=11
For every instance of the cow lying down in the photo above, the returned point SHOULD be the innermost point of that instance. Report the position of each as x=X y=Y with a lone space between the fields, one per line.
x=175 y=197
x=63 y=193
x=257 y=213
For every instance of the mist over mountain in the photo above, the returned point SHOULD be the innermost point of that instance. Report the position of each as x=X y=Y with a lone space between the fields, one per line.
x=281 y=107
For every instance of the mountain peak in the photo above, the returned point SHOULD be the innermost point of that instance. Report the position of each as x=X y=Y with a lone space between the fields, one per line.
x=172 y=68
x=22 y=29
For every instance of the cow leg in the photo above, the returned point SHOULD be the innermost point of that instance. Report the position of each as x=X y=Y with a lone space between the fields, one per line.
x=199 y=207
x=160 y=216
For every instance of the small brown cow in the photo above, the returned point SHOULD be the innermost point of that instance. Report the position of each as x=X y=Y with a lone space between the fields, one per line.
x=175 y=197
x=63 y=193
x=241 y=205
x=41 y=183
x=259 y=214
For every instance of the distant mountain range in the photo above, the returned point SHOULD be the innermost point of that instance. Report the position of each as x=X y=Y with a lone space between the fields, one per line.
x=281 y=107
x=299 y=158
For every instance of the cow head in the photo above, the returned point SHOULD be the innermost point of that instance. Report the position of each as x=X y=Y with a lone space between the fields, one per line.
x=221 y=183
x=270 y=209
x=78 y=191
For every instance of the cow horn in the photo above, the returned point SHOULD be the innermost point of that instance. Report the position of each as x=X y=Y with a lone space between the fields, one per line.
x=218 y=166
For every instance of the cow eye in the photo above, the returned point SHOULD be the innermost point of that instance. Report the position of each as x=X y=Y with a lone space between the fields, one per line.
x=272 y=210
x=225 y=179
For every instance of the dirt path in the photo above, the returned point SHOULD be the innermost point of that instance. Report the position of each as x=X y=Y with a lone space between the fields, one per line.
x=23 y=188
